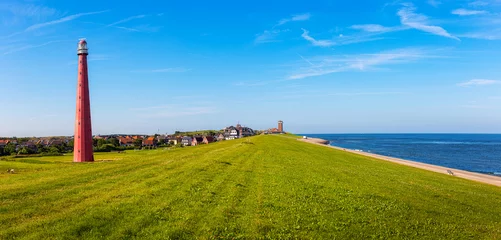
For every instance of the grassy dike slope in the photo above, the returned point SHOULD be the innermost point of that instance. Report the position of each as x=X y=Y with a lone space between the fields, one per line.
x=260 y=187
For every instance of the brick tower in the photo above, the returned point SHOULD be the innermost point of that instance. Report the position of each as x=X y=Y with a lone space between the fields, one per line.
x=281 y=126
x=83 y=131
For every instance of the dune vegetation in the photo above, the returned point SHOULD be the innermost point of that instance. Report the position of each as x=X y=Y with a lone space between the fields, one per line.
x=259 y=187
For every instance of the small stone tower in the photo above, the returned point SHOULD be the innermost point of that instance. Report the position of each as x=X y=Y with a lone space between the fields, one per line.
x=281 y=126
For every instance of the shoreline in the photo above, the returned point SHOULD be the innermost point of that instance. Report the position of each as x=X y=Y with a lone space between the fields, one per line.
x=478 y=177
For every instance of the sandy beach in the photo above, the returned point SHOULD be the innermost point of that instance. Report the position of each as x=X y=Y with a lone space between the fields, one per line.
x=484 y=178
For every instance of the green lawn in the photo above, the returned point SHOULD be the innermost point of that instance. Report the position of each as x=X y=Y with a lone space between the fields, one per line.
x=259 y=187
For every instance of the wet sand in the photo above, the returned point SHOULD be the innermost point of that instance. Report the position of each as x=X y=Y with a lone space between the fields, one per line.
x=483 y=178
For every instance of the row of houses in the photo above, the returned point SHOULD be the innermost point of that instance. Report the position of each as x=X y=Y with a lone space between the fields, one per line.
x=34 y=143
x=197 y=140
x=228 y=133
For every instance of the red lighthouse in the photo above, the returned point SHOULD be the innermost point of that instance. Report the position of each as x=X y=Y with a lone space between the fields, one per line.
x=83 y=130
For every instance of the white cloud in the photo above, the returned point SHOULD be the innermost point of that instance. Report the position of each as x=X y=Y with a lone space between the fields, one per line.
x=306 y=60
x=45 y=24
x=28 y=10
x=271 y=35
x=478 y=82
x=342 y=39
x=126 y=20
x=127 y=29
x=434 y=3
x=26 y=47
x=316 y=72
x=409 y=18
x=361 y=62
x=143 y=28
x=268 y=36
x=294 y=18
x=485 y=35
x=319 y=43
x=467 y=12
x=61 y=20
x=478 y=4
x=373 y=28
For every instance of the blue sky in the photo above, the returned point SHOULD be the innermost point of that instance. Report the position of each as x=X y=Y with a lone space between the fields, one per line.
x=320 y=66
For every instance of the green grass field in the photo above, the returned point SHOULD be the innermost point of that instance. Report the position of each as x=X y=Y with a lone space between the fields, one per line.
x=259 y=187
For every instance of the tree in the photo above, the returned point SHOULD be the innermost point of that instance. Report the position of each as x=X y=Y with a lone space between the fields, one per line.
x=138 y=142
x=41 y=148
x=9 y=149
x=54 y=150
x=114 y=142
x=23 y=151
x=100 y=142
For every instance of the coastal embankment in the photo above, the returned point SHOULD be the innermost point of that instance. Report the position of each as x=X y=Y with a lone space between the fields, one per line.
x=484 y=178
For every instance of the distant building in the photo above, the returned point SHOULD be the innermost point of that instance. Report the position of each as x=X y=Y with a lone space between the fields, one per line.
x=28 y=145
x=239 y=131
x=202 y=140
x=246 y=132
x=186 y=141
x=197 y=140
x=4 y=142
x=161 y=139
x=43 y=142
x=279 y=130
x=209 y=139
x=173 y=140
x=149 y=142
x=220 y=137
x=56 y=142
x=126 y=141
x=231 y=133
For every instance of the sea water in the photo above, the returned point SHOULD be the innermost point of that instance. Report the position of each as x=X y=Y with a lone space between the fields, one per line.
x=471 y=152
